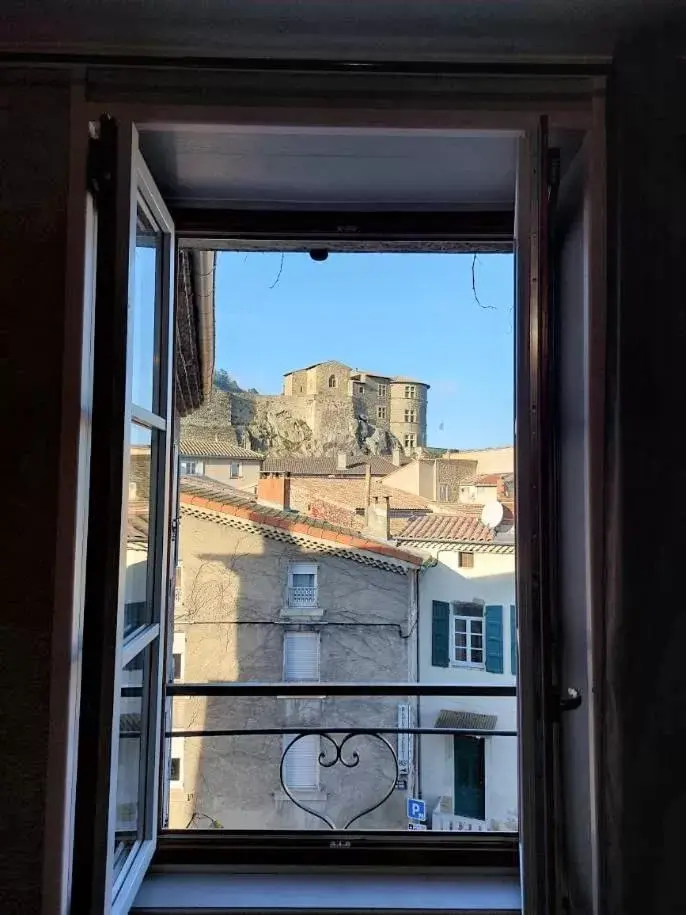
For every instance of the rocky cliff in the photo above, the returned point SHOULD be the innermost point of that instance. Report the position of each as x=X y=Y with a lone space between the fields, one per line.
x=282 y=425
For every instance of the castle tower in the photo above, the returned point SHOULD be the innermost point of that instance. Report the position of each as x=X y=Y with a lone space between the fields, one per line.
x=408 y=399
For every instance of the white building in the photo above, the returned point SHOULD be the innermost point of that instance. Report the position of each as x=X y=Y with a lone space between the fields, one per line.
x=214 y=453
x=467 y=636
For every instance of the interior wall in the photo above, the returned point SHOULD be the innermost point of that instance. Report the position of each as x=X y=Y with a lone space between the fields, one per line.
x=644 y=727
x=43 y=348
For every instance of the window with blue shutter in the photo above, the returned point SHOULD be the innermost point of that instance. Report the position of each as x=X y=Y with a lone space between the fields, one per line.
x=440 y=633
x=513 y=639
x=494 y=638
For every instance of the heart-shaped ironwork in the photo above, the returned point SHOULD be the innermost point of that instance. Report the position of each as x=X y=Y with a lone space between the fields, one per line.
x=350 y=763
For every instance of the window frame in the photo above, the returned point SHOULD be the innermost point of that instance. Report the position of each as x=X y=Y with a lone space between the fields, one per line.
x=382 y=390
x=291 y=635
x=105 y=877
x=468 y=620
x=569 y=107
x=309 y=608
x=381 y=412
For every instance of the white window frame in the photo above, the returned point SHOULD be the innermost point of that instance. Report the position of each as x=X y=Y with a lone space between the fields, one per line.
x=290 y=638
x=179 y=649
x=444 y=492
x=381 y=412
x=302 y=568
x=310 y=745
x=239 y=470
x=410 y=392
x=176 y=752
x=410 y=416
x=191 y=467
x=383 y=390
x=469 y=620
x=410 y=440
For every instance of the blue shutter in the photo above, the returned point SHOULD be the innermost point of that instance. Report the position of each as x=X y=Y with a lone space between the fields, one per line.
x=494 y=639
x=513 y=639
x=440 y=633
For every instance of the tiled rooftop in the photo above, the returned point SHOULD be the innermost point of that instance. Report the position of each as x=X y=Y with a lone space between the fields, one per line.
x=328 y=466
x=203 y=442
x=205 y=493
x=351 y=493
x=461 y=526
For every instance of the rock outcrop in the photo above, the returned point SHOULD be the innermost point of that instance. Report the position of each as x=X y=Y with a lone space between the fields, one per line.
x=280 y=425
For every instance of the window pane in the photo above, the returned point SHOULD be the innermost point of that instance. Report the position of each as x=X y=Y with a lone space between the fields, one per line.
x=137 y=585
x=317 y=556
x=145 y=299
x=132 y=743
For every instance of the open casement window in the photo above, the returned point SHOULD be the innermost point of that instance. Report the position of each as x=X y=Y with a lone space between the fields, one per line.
x=128 y=562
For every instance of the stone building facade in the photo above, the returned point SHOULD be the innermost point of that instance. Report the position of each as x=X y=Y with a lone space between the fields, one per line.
x=394 y=404
x=261 y=591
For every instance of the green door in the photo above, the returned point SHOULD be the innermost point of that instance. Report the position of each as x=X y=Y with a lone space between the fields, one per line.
x=470 y=781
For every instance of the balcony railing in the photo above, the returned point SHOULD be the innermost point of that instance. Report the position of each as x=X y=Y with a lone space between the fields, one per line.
x=302 y=598
x=335 y=741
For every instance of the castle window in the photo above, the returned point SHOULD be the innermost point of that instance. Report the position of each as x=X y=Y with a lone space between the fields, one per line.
x=381 y=412
x=383 y=390
x=410 y=391
x=332 y=381
x=410 y=416
x=410 y=441
x=359 y=389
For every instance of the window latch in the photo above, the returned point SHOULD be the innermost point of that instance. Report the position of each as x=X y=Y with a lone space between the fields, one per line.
x=571 y=701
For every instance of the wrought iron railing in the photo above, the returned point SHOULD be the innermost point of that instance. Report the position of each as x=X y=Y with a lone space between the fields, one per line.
x=337 y=752
x=302 y=597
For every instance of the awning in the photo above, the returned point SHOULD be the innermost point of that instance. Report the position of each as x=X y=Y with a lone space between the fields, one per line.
x=473 y=721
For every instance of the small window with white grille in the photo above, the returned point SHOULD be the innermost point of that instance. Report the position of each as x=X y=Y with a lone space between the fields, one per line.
x=301 y=656
x=302 y=585
x=300 y=766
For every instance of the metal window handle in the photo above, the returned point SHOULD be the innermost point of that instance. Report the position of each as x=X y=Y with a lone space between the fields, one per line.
x=571 y=701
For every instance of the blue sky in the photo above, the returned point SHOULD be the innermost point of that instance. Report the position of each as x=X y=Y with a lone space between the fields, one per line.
x=398 y=314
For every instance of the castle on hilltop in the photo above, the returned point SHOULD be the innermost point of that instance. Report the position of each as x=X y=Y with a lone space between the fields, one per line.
x=394 y=404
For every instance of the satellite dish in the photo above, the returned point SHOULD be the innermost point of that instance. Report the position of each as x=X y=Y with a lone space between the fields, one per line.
x=492 y=515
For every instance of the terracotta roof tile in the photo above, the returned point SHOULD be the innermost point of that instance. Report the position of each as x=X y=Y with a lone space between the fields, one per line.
x=225 y=499
x=460 y=526
x=202 y=442
x=328 y=466
x=351 y=494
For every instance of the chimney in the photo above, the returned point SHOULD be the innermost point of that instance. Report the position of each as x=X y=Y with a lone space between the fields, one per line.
x=341 y=461
x=378 y=519
x=396 y=455
x=274 y=490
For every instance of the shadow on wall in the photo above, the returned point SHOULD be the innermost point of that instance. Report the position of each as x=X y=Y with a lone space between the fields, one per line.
x=235 y=616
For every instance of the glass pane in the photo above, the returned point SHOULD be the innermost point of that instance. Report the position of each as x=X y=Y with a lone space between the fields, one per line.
x=132 y=748
x=139 y=559
x=337 y=461
x=146 y=272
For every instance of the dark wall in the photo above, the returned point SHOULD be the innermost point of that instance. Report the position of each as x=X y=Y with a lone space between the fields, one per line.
x=644 y=788
x=34 y=173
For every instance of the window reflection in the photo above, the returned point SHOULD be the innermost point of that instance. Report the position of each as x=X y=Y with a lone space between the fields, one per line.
x=137 y=609
x=146 y=285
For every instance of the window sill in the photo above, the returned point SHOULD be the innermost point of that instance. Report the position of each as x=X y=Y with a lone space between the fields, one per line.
x=336 y=891
x=463 y=665
x=295 y=613
x=306 y=795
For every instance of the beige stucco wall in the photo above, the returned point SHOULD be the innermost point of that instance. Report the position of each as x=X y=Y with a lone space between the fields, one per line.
x=220 y=469
x=234 y=587
x=489 y=460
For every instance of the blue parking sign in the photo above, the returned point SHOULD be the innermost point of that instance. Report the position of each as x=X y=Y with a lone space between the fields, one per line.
x=416 y=809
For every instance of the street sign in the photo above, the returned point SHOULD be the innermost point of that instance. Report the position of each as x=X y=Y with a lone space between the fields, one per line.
x=416 y=826
x=416 y=809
